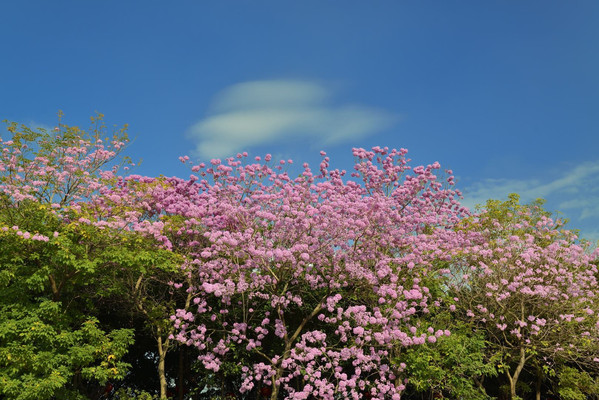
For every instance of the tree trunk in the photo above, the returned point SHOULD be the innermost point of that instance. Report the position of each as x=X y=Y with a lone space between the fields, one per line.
x=161 y=369
x=55 y=292
x=288 y=343
x=514 y=378
x=513 y=395
x=275 y=387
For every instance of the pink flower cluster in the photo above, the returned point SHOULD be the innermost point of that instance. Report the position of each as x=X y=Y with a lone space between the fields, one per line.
x=531 y=290
x=316 y=277
x=315 y=281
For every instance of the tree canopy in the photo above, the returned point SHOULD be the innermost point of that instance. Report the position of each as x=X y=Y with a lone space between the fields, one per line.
x=250 y=281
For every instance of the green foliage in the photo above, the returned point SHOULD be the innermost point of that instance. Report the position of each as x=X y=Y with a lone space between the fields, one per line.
x=512 y=217
x=574 y=384
x=52 y=344
x=129 y=394
x=50 y=341
x=49 y=347
x=41 y=352
x=505 y=312
x=454 y=365
x=508 y=212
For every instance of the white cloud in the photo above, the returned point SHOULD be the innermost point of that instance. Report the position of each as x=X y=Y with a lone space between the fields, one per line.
x=261 y=112
x=37 y=125
x=480 y=192
x=574 y=193
x=589 y=206
x=590 y=235
x=268 y=94
x=579 y=181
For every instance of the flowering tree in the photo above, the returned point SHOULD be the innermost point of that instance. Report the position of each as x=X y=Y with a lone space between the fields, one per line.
x=455 y=366
x=51 y=345
x=531 y=288
x=309 y=284
x=324 y=285
x=139 y=273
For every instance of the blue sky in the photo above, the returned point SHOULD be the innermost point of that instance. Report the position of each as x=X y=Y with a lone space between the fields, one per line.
x=505 y=93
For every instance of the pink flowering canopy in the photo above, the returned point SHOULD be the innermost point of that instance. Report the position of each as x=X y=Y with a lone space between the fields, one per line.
x=311 y=286
x=532 y=288
x=57 y=170
x=310 y=283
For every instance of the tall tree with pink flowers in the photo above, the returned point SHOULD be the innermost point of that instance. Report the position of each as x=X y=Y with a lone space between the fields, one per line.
x=532 y=288
x=310 y=284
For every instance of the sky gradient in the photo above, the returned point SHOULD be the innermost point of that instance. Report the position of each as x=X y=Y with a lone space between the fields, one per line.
x=506 y=94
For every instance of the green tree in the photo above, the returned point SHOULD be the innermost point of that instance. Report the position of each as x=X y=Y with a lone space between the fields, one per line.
x=454 y=366
x=530 y=286
x=51 y=342
x=56 y=205
x=138 y=278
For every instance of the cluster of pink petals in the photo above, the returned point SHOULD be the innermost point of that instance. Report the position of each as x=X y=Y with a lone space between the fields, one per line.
x=319 y=277
x=266 y=247
x=535 y=289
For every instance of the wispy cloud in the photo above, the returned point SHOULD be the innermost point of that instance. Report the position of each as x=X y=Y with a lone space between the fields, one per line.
x=591 y=235
x=576 y=193
x=589 y=206
x=38 y=125
x=260 y=112
x=578 y=187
